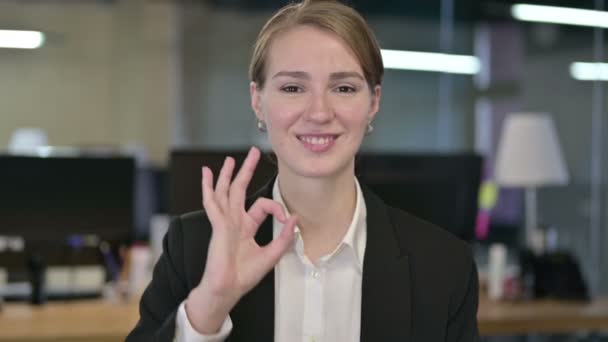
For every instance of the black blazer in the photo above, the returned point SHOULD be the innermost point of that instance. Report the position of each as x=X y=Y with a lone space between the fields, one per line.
x=419 y=282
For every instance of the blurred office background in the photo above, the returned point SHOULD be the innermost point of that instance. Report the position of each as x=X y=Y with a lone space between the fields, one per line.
x=144 y=78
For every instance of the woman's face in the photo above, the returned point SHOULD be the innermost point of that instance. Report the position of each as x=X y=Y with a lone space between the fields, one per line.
x=315 y=102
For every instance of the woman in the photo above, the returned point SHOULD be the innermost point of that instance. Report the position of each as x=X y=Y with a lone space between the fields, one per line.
x=316 y=256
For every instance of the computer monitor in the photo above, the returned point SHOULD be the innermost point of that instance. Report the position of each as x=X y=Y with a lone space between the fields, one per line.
x=185 y=193
x=47 y=199
x=439 y=188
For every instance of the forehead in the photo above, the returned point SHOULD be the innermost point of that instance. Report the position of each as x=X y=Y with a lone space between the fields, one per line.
x=310 y=49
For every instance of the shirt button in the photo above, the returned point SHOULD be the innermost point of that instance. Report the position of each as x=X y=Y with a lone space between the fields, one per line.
x=314 y=274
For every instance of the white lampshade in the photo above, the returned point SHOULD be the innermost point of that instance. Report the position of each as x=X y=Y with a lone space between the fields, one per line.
x=529 y=153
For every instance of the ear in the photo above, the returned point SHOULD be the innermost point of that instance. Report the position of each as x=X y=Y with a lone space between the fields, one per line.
x=256 y=100
x=375 y=104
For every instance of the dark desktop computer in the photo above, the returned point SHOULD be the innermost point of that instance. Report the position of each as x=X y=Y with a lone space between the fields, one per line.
x=185 y=193
x=61 y=210
x=439 y=188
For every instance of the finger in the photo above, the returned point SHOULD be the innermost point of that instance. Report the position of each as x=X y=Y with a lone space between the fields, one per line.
x=260 y=210
x=238 y=189
x=275 y=250
x=223 y=183
x=265 y=206
x=211 y=209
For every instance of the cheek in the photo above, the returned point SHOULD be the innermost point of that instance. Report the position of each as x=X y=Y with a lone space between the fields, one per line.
x=282 y=114
x=354 y=114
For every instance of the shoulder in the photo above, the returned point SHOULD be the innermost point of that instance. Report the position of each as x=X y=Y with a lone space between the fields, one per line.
x=441 y=263
x=194 y=223
x=420 y=236
x=433 y=245
x=438 y=258
x=186 y=243
x=189 y=229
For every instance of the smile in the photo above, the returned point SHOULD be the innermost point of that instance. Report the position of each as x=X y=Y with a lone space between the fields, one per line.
x=318 y=142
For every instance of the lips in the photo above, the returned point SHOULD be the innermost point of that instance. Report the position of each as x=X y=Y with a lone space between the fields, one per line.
x=318 y=142
x=315 y=140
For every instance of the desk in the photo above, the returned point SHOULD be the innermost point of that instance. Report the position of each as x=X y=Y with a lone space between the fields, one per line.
x=102 y=321
x=541 y=316
x=90 y=320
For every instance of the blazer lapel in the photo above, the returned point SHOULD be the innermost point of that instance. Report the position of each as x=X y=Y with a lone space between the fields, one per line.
x=253 y=316
x=386 y=291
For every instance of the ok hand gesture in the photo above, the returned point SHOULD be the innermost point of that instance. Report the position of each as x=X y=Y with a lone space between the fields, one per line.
x=235 y=262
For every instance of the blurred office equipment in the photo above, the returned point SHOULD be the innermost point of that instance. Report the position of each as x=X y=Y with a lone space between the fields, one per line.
x=64 y=208
x=159 y=225
x=27 y=140
x=185 y=175
x=529 y=156
x=48 y=199
x=151 y=199
x=497 y=263
x=139 y=269
x=554 y=275
x=440 y=188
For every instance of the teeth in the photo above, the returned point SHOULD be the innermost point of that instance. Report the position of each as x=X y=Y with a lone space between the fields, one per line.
x=315 y=140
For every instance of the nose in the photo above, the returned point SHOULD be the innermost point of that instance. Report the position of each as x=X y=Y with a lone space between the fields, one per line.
x=319 y=110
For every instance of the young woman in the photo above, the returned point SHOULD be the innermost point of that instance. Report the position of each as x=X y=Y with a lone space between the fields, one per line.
x=314 y=256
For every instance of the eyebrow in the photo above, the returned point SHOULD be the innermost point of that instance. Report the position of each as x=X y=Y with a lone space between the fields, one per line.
x=345 y=74
x=294 y=74
x=333 y=76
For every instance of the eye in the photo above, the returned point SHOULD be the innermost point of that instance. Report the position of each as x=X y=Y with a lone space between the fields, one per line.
x=291 y=89
x=345 y=89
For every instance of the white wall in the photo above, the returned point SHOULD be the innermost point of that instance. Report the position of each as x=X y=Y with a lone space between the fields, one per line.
x=102 y=78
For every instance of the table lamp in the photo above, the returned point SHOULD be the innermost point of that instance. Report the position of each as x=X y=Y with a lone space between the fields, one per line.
x=529 y=156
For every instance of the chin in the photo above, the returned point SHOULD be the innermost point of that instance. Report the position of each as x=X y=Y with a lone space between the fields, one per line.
x=316 y=168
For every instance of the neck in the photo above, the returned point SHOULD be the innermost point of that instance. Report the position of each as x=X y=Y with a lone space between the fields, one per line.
x=324 y=207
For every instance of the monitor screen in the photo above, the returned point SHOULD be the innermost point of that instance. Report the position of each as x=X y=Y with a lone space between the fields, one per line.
x=185 y=193
x=51 y=198
x=439 y=188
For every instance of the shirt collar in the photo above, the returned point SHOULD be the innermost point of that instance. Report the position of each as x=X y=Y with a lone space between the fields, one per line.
x=356 y=235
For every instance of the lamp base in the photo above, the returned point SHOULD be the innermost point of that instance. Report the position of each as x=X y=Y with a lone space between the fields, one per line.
x=536 y=240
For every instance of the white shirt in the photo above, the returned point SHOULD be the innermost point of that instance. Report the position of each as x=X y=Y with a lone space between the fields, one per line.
x=318 y=302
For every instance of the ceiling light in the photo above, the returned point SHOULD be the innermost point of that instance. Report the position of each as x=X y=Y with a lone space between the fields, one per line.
x=560 y=15
x=13 y=39
x=589 y=71
x=429 y=61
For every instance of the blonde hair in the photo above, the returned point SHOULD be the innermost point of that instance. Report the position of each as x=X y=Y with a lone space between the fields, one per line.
x=328 y=15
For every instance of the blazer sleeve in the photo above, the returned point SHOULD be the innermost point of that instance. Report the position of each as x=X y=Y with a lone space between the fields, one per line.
x=162 y=297
x=462 y=324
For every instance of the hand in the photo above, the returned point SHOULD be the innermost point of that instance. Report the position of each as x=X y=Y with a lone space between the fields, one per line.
x=235 y=262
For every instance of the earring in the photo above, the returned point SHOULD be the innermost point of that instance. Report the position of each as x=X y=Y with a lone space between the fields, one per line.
x=261 y=126
x=370 y=129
